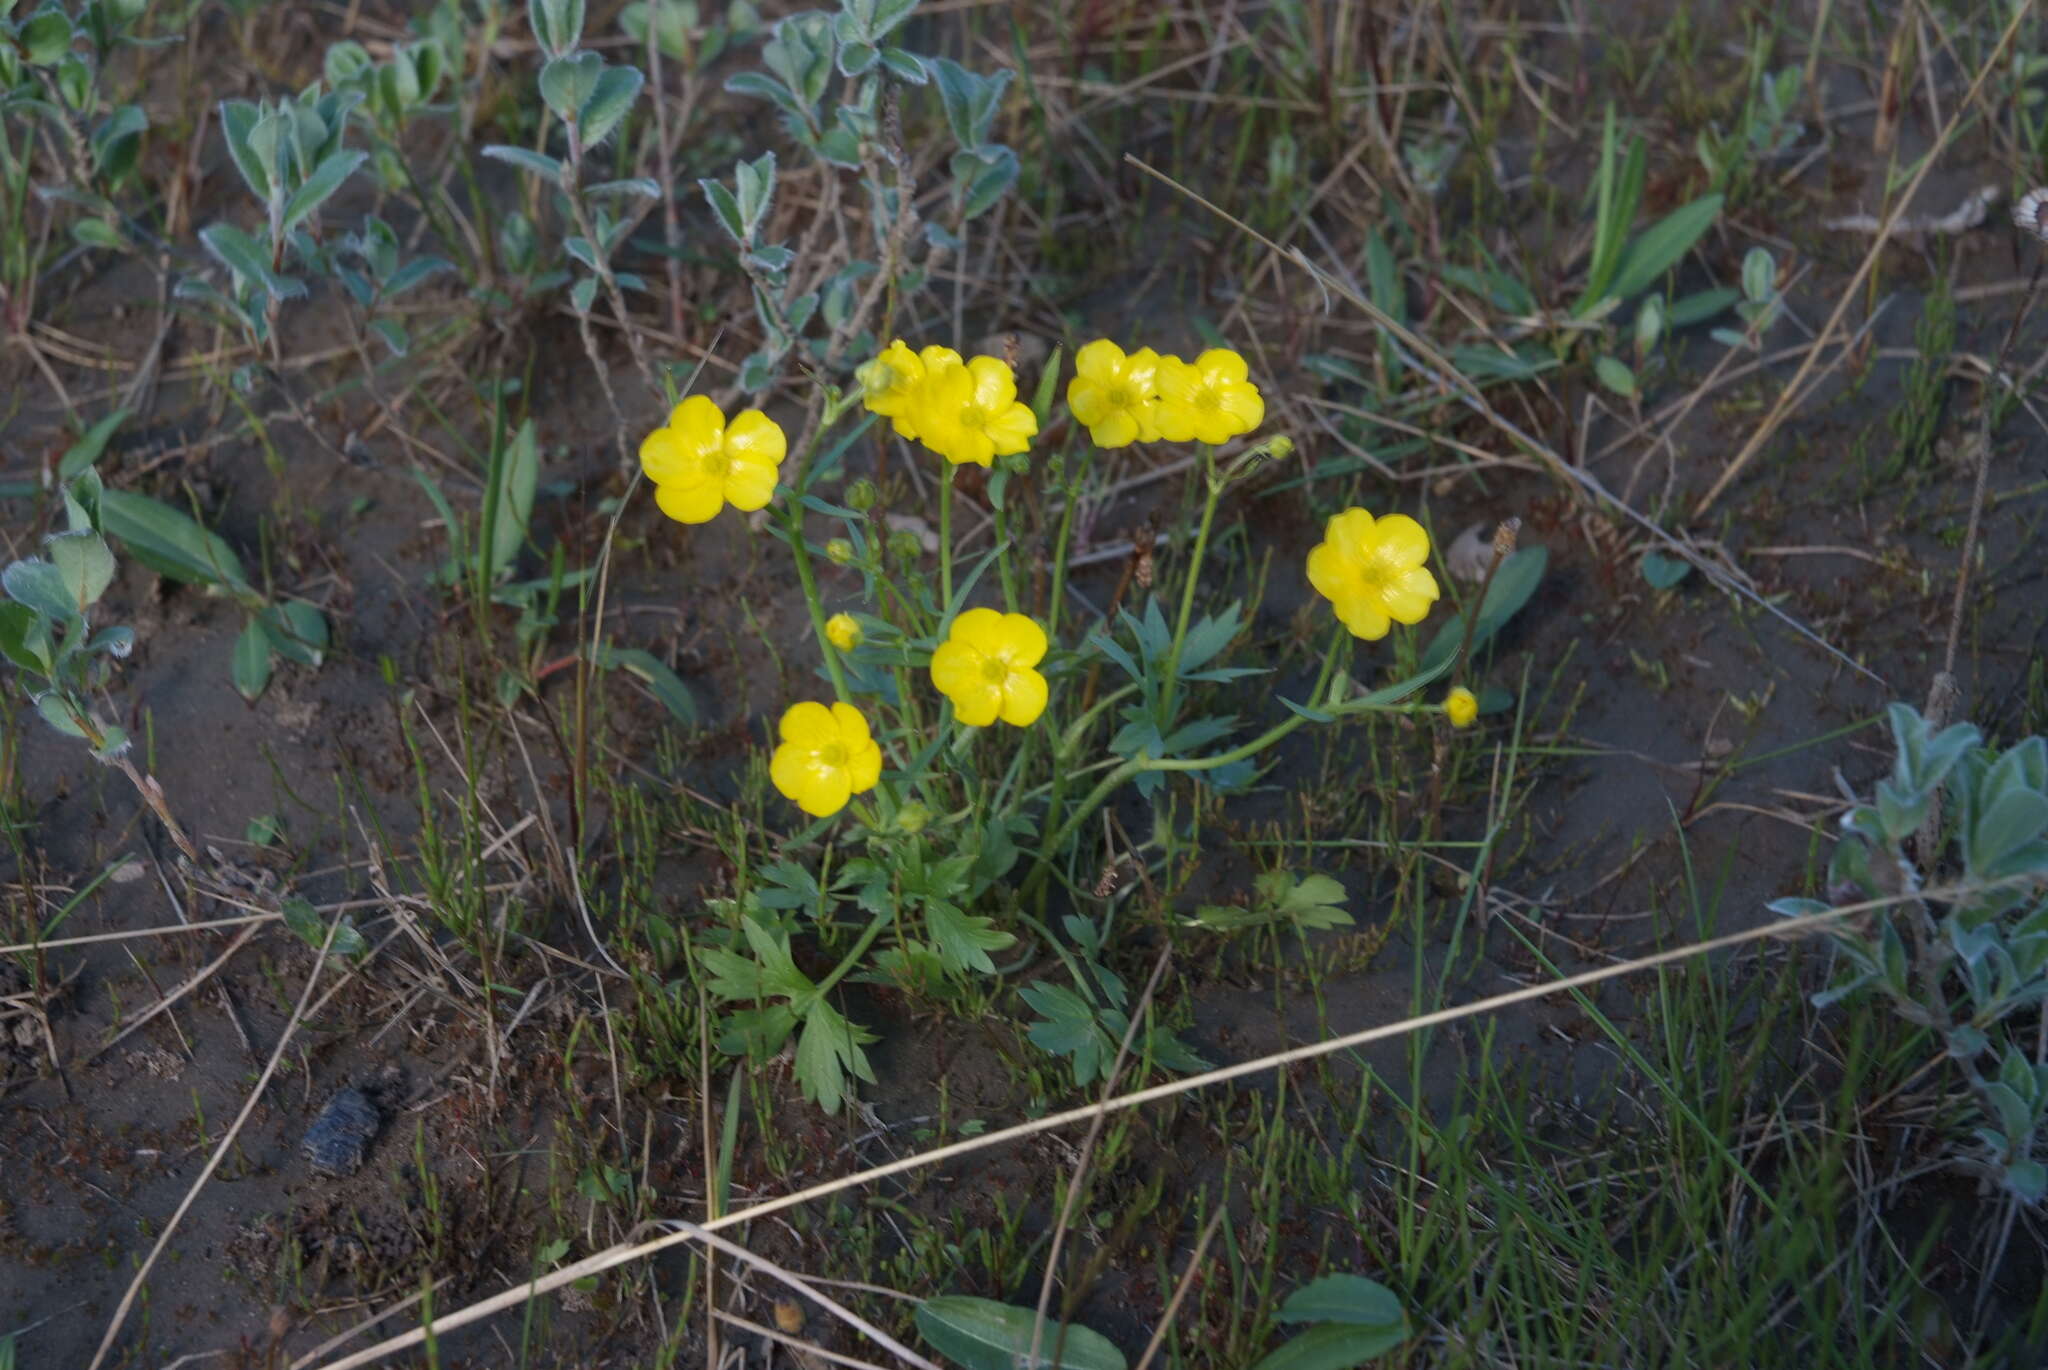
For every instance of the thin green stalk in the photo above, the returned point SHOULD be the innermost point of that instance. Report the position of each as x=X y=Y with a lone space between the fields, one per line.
x=946 y=543
x=793 y=525
x=1005 y=564
x=1187 y=594
x=852 y=958
x=1063 y=546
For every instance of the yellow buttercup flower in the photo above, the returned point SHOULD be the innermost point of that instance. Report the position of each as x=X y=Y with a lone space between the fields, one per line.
x=1209 y=399
x=890 y=385
x=1461 y=706
x=1114 y=395
x=969 y=411
x=699 y=463
x=843 y=632
x=826 y=757
x=1372 y=571
x=985 y=666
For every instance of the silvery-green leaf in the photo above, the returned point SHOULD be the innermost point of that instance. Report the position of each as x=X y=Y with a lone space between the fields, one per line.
x=608 y=102
x=525 y=159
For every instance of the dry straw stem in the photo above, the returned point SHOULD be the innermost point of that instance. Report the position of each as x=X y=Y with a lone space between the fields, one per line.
x=1792 y=392
x=1426 y=359
x=621 y=1254
x=219 y=1152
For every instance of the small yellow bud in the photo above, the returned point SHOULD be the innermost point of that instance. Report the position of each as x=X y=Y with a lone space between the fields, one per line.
x=843 y=632
x=1280 y=449
x=912 y=818
x=1461 y=706
x=839 y=552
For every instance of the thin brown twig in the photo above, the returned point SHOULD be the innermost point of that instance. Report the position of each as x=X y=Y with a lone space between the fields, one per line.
x=1783 y=930
x=1792 y=392
x=219 y=1152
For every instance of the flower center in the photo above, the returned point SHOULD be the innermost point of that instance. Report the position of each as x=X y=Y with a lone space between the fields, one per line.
x=1121 y=397
x=1206 y=399
x=973 y=416
x=833 y=754
x=994 y=669
x=717 y=463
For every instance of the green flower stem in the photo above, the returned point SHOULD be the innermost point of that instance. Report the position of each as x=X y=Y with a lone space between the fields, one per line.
x=793 y=523
x=1062 y=548
x=1187 y=594
x=946 y=544
x=852 y=958
x=1005 y=563
x=1109 y=783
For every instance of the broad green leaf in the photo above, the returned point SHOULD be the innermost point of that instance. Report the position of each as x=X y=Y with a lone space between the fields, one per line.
x=46 y=36
x=567 y=82
x=297 y=630
x=964 y=940
x=1351 y=1299
x=1663 y=245
x=1333 y=1346
x=86 y=565
x=57 y=711
x=827 y=1051
x=87 y=449
x=306 y=923
x=169 y=542
x=250 y=665
x=510 y=506
x=1513 y=584
x=40 y=586
x=526 y=159
x=1663 y=572
x=608 y=102
x=981 y=1334
x=665 y=685
x=1615 y=375
x=25 y=638
x=246 y=258
x=318 y=187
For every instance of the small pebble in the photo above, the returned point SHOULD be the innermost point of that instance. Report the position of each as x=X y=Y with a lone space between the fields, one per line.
x=340 y=1137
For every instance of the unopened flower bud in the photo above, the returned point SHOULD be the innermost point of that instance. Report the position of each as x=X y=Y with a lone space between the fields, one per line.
x=904 y=546
x=861 y=495
x=1280 y=448
x=843 y=631
x=1017 y=463
x=912 y=818
x=839 y=552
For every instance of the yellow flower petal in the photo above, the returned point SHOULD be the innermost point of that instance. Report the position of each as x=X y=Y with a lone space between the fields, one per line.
x=995 y=385
x=864 y=766
x=1012 y=429
x=955 y=667
x=809 y=724
x=1221 y=364
x=1461 y=706
x=981 y=629
x=1024 y=641
x=1244 y=407
x=1400 y=540
x=1116 y=428
x=1364 y=616
x=1024 y=695
x=756 y=437
x=978 y=705
x=692 y=502
x=825 y=790
x=749 y=485
x=664 y=456
x=697 y=418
